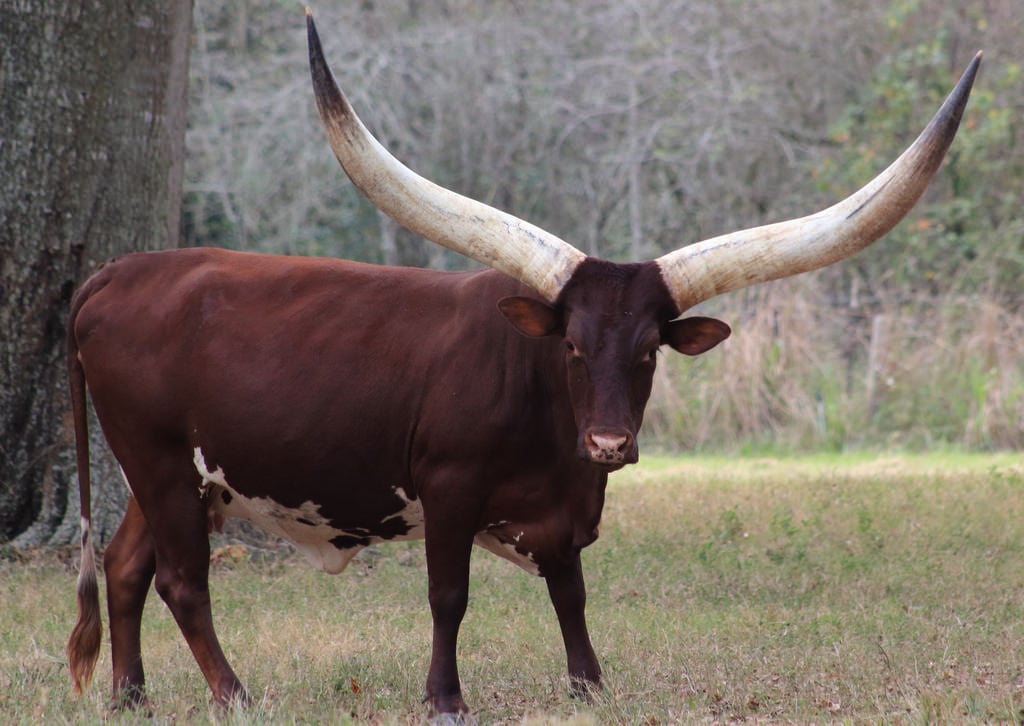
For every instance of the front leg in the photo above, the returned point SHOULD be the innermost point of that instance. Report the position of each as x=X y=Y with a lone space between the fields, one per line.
x=569 y=596
x=448 y=551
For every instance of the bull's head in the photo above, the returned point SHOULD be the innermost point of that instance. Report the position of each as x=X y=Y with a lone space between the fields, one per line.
x=613 y=317
x=612 y=320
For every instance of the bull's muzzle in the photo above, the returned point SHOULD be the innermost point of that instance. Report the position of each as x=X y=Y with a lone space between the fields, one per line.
x=610 y=448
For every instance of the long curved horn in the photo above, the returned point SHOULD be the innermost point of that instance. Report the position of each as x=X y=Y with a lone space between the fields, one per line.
x=488 y=235
x=703 y=270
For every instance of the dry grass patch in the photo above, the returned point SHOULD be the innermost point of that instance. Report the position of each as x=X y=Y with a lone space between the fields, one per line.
x=872 y=589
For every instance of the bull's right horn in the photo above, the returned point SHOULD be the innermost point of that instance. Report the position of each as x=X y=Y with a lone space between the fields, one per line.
x=701 y=271
x=492 y=237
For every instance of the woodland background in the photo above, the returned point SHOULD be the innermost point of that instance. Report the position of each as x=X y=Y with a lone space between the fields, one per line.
x=632 y=128
x=628 y=128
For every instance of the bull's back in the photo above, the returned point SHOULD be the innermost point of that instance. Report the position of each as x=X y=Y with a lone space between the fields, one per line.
x=238 y=337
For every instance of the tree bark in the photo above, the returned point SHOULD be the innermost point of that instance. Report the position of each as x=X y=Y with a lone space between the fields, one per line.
x=91 y=153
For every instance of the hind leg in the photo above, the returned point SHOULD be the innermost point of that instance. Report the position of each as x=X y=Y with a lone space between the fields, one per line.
x=129 y=563
x=176 y=517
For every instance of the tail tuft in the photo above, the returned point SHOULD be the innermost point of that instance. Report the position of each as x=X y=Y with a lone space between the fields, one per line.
x=84 y=643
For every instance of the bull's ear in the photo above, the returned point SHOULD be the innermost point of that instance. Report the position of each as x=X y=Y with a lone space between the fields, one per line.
x=696 y=335
x=530 y=317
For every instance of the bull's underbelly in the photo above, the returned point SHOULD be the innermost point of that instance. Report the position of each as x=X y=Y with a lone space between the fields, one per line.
x=329 y=547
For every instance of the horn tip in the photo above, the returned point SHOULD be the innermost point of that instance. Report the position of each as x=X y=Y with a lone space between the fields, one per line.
x=326 y=91
x=972 y=68
x=312 y=35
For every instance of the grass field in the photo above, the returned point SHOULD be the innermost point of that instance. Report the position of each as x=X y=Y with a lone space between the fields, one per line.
x=857 y=590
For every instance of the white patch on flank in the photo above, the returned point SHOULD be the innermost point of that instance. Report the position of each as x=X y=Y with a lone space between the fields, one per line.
x=507 y=550
x=311 y=532
x=209 y=477
x=411 y=515
x=305 y=526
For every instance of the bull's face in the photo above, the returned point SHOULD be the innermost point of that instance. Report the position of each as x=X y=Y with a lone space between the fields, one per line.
x=612 y=320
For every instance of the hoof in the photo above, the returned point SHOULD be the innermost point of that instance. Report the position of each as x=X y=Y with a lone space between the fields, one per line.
x=448 y=711
x=131 y=698
x=584 y=690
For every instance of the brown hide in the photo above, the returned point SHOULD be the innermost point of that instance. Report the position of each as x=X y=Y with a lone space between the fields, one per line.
x=334 y=382
x=331 y=396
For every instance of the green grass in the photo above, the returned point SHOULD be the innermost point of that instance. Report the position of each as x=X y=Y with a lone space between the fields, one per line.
x=860 y=589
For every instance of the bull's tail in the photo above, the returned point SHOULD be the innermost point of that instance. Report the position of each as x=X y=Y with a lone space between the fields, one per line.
x=84 y=643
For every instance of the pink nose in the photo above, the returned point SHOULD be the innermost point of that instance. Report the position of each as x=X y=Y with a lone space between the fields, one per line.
x=608 y=448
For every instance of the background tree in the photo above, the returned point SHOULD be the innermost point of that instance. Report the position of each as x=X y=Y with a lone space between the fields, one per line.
x=91 y=158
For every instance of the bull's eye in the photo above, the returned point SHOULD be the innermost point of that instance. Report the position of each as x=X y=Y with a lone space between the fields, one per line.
x=569 y=346
x=650 y=356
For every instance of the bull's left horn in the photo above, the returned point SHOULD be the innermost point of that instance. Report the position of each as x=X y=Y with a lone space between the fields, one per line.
x=488 y=235
x=701 y=271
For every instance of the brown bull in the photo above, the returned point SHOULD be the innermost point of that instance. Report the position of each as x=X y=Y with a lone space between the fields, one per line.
x=339 y=404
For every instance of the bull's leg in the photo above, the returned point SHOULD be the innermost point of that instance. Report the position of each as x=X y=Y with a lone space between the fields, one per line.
x=182 y=580
x=448 y=552
x=569 y=596
x=129 y=563
x=177 y=521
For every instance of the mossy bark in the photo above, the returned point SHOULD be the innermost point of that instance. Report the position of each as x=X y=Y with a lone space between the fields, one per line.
x=91 y=153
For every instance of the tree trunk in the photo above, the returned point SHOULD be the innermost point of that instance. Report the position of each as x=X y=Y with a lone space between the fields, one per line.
x=91 y=153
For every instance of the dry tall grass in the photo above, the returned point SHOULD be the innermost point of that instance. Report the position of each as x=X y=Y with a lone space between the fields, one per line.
x=801 y=372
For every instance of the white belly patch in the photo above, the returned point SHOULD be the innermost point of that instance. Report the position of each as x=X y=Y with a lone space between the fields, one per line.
x=325 y=546
x=506 y=550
